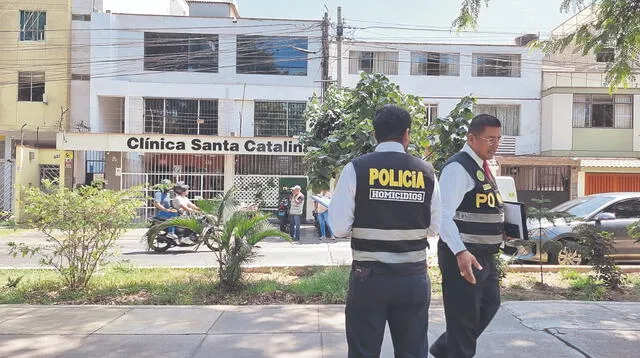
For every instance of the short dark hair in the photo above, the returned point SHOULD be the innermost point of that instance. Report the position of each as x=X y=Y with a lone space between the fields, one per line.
x=481 y=121
x=390 y=123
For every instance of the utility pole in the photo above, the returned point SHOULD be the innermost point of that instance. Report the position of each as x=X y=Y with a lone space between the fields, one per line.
x=325 y=54
x=339 y=33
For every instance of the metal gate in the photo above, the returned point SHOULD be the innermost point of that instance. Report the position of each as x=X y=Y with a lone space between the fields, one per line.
x=203 y=173
x=6 y=186
x=533 y=182
x=257 y=177
x=611 y=182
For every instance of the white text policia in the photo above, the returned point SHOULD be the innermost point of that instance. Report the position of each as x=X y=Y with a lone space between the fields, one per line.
x=285 y=146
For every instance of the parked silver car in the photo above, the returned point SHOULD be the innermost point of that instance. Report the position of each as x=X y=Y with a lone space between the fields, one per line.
x=612 y=212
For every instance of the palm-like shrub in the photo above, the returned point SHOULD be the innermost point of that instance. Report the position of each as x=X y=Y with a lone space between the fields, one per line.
x=233 y=230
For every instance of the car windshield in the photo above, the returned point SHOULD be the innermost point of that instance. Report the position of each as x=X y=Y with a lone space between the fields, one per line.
x=583 y=206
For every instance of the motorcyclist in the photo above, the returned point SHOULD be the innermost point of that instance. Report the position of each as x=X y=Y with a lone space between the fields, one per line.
x=162 y=203
x=182 y=203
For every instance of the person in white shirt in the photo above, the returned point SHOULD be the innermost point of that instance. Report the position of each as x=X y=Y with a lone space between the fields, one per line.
x=388 y=201
x=181 y=201
x=295 y=212
x=323 y=217
x=471 y=234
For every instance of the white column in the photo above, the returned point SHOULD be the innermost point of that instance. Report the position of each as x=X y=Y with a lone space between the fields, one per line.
x=134 y=114
x=636 y=123
x=229 y=170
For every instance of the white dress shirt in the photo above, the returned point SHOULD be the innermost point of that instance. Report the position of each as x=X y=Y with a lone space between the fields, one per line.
x=456 y=182
x=343 y=202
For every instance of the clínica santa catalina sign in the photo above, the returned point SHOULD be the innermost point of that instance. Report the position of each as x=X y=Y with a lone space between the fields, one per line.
x=159 y=143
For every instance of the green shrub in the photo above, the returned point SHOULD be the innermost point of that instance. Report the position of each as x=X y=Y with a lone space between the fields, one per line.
x=80 y=226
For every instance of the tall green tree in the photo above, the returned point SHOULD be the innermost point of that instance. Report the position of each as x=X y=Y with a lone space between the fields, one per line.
x=342 y=127
x=616 y=25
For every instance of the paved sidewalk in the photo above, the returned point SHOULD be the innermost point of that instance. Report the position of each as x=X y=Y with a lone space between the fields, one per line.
x=521 y=329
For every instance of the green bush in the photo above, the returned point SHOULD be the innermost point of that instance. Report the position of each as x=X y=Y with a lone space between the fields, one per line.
x=596 y=247
x=80 y=226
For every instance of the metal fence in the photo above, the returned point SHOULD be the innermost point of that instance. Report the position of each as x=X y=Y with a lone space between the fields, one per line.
x=203 y=173
x=258 y=178
x=535 y=182
x=6 y=186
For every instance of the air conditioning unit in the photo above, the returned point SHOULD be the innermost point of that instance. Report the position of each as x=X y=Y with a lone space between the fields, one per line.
x=44 y=98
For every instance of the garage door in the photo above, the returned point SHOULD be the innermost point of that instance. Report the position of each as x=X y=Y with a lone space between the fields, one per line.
x=611 y=182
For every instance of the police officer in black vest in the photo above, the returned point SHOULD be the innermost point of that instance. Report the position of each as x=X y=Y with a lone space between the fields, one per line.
x=471 y=233
x=389 y=201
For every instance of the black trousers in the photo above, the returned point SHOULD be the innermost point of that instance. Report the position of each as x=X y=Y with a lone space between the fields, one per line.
x=468 y=308
x=374 y=299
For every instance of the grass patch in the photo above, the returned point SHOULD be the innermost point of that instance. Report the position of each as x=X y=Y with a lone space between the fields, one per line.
x=588 y=289
x=124 y=283
x=331 y=285
x=570 y=275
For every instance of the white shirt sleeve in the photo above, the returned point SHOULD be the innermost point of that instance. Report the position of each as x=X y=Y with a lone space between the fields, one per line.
x=343 y=203
x=436 y=209
x=455 y=182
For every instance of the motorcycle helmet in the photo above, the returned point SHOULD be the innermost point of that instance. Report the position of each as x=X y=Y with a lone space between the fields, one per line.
x=180 y=188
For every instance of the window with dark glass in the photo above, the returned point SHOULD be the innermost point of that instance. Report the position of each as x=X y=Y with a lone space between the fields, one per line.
x=602 y=111
x=181 y=116
x=178 y=52
x=385 y=62
x=32 y=24
x=496 y=65
x=435 y=64
x=31 y=86
x=279 y=119
x=271 y=55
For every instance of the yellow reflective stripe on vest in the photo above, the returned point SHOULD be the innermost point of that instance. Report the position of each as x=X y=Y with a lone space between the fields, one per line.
x=389 y=235
x=478 y=217
x=390 y=257
x=481 y=239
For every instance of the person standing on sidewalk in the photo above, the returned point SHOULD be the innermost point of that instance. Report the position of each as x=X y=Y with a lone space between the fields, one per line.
x=471 y=234
x=295 y=212
x=389 y=201
x=323 y=217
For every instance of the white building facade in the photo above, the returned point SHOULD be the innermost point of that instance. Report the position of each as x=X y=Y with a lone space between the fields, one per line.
x=583 y=122
x=232 y=90
x=505 y=80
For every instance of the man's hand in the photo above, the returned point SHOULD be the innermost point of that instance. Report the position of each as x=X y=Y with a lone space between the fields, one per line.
x=466 y=263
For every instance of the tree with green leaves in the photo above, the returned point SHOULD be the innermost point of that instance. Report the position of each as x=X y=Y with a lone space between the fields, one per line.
x=80 y=227
x=615 y=24
x=541 y=214
x=447 y=135
x=342 y=127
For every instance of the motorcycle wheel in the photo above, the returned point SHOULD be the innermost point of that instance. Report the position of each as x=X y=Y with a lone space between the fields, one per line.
x=160 y=246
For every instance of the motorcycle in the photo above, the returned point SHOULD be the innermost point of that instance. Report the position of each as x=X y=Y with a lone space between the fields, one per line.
x=159 y=240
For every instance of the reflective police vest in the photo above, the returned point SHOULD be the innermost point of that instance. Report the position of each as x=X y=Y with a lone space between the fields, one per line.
x=392 y=212
x=480 y=216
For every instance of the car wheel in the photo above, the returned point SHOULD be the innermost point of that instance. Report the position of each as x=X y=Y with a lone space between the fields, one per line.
x=567 y=256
